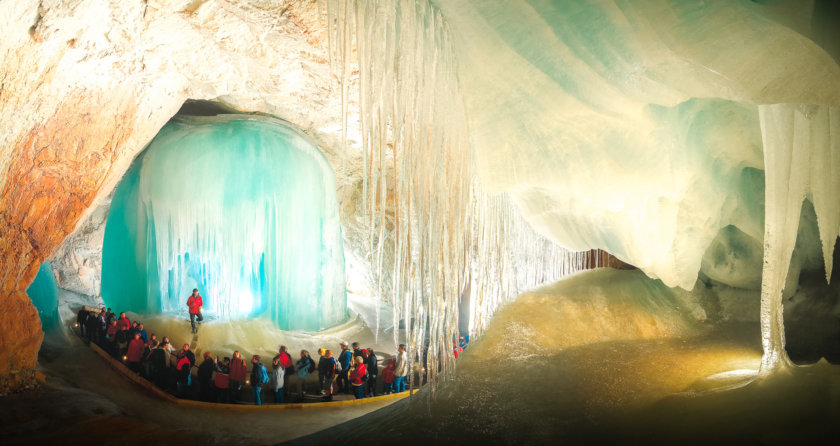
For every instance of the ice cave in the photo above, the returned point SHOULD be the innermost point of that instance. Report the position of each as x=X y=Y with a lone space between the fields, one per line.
x=587 y=221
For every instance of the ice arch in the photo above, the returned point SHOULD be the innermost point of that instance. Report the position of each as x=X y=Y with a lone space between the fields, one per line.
x=242 y=208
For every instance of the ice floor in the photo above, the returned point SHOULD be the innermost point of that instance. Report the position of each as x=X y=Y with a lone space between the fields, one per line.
x=604 y=357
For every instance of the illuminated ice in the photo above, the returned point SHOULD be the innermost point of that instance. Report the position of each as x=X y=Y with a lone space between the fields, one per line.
x=44 y=294
x=244 y=209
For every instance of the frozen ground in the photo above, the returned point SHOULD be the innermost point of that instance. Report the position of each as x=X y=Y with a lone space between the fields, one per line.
x=612 y=357
x=604 y=357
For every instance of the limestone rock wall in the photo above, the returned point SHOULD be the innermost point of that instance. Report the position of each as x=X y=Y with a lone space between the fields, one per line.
x=86 y=84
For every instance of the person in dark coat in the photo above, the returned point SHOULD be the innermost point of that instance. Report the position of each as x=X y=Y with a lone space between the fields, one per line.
x=205 y=377
x=372 y=365
x=81 y=321
x=92 y=328
x=344 y=360
x=189 y=354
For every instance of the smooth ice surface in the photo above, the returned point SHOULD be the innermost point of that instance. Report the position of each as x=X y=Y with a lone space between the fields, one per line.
x=44 y=294
x=244 y=209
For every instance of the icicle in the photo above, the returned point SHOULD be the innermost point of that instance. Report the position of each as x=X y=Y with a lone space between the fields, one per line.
x=426 y=210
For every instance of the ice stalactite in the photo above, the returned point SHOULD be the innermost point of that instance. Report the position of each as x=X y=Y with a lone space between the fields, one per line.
x=435 y=233
x=801 y=156
x=242 y=208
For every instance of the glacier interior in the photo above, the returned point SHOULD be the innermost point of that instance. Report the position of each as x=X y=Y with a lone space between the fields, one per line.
x=241 y=208
x=484 y=154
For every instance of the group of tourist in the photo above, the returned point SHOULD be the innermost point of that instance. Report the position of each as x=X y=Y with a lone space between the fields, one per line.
x=355 y=371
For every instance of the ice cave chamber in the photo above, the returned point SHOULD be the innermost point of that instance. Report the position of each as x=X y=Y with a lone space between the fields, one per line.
x=243 y=209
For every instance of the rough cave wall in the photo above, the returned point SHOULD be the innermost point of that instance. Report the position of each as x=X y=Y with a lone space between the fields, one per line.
x=87 y=83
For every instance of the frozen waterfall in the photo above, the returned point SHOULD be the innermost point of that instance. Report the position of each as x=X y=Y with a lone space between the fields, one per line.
x=242 y=208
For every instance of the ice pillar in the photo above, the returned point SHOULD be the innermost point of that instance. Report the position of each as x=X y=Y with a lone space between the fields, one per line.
x=243 y=209
x=44 y=295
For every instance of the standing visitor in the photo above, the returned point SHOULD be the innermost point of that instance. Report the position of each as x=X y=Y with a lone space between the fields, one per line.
x=183 y=376
x=400 y=369
x=134 y=353
x=92 y=328
x=194 y=303
x=81 y=321
x=372 y=364
x=189 y=354
x=142 y=332
x=276 y=380
x=238 y=371
x=288 y=367
x=344 y=362
x=258 y=377
x=222 y=380
x=304 y=366
x=123 y=322
x=326 y=370
x=357 y=377
x=321 y=353
x=388 y=377
x=205 y=377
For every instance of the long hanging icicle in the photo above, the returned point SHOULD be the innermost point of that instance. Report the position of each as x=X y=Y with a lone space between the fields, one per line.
x=433 y=231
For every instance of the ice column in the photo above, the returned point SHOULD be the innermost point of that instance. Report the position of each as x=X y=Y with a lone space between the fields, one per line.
x=801 y=156
x=244 y=209
x=435 y=234
x=44 y=294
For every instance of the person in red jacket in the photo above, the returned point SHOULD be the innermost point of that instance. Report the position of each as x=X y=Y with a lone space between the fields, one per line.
x=388 y=377
x=194 y=303
x=123 y=322
x=358 y=378
x=238 y=372
x=135 y=353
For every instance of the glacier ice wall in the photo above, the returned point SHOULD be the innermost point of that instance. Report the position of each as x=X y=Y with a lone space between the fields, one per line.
x=44 y=294
x=244 y=209
x=633 y=127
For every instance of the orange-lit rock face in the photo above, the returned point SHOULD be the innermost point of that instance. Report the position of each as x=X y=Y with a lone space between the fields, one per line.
x=87 y=84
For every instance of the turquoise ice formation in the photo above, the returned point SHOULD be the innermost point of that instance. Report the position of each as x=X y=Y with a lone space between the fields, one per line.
x=44 y=294
x=243 y=209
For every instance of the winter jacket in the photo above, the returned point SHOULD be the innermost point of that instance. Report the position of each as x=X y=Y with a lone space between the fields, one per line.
x=183 y=369
x=344 y=358
x=388 y=372
x=304 y=366
x=401 y=368
x=123 y=322
x=276 y=378
x=195 y=304
x=112 y=331
x=222 y=378
x=326 y=367
x=135 y=350
x=285 y=360
x=258 y=375
x=205 y=371
x=238 y=369
x=372 y=364
x=357 y=374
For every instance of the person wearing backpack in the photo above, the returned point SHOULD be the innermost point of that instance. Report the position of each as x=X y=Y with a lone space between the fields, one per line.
x=258 y=377
x=288 y=367
x=304 y=366
x=327 y=370
x=345 y=362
